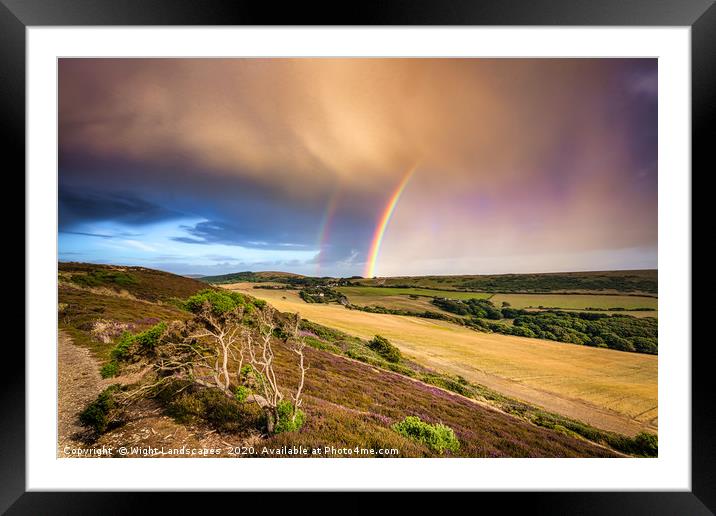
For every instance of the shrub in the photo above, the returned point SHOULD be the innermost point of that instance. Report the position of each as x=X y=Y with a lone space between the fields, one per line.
x=109 y=370
x=97 y=415
x=437 y=437
x=221 y=301
x=246 y=370
x=146 y=341
x=121 y=349
x=384 y=348
x=241 y=393
x=287 y=420
x=646 y=444
x=185 y=407
x=221 y=412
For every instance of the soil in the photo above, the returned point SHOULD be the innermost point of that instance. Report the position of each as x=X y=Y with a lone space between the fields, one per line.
x=146 y=430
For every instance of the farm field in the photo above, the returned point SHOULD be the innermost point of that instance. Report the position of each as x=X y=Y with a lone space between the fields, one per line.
x=400 y=302
x=356 y=293
x=608 y=389
x=399 y=299
x=574 y=301
x=633 y=313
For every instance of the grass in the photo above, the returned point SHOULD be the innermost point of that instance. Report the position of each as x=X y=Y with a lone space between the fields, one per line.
x=608 y=389
x=574 y=301
x=356 y=293
x=139 y=282
x=84 y=308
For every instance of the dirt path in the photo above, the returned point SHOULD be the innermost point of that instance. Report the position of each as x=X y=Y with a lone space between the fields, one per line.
x=147 y=427
x=78 y=383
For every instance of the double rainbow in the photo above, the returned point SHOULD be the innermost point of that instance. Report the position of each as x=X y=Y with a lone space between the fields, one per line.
x=325 y=227
x=384 y=221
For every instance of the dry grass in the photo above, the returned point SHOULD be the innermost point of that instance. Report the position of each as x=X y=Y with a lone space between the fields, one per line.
x=633 y=313
x=355 y=293
x=574 y=301
x=608 y=389
x=400 y=302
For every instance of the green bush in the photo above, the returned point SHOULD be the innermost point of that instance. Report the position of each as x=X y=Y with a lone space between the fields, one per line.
x=437 y=437
x=241 y=393
x=146 y=341
x=109 y=370
x=286 y=420
x=384 y=348
x=121 y=349
x=246 y=371
x=97 y=415
x=221 y=302
x=647 y=444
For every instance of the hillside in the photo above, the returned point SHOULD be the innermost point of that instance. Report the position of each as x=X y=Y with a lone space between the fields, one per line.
x=630 y=282
x=352 y=398
x=257 y=277
x=138 y=282
x=644 y=281
x=608 y=389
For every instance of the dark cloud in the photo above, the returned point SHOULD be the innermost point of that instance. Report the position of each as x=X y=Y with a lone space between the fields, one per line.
x=214 y=232
x=76 y=207
x=121 y=234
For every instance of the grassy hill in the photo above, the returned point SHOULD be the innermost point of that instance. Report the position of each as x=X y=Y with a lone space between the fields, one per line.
x=629 y=282
x=352 y=396
x=138 y=282
x=254 y=277
x=644 y=281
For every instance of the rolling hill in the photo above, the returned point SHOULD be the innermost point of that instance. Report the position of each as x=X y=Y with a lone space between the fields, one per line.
x=352 y=396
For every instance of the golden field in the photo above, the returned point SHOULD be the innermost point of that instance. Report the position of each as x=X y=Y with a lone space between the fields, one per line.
x=609 y=389
x=575 y=301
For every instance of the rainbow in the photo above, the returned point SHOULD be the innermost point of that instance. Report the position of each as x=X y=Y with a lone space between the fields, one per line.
x=325 y=227
x=384 y=221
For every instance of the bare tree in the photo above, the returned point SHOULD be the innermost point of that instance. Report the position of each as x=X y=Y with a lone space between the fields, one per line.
x=202 y=349
x=298 y=344
x=211 y=349
x=260 y=356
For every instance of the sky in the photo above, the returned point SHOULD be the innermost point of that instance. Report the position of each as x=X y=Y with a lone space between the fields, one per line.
x=342 y=167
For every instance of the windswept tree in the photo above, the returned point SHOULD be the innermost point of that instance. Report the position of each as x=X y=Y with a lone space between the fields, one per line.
x=258 y=347
x=206 y=348
x=228 y=345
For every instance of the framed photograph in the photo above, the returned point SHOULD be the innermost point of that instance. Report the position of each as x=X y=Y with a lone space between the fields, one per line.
x=423 y=249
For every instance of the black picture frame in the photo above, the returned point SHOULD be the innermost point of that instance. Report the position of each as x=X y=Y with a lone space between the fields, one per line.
x=700 y=15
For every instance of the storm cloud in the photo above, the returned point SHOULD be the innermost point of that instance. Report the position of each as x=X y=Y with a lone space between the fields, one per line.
x=524 y=164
